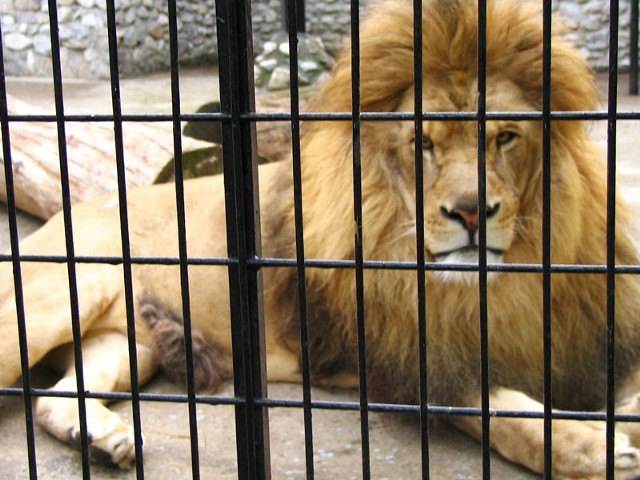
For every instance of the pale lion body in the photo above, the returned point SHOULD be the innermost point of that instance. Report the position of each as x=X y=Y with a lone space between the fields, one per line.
x=514 y=226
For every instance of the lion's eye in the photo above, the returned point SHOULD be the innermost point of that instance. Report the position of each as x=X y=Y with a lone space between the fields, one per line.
x=505 y=137
x=427 y=143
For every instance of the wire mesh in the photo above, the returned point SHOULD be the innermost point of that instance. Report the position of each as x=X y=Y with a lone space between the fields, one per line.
x=245 y=260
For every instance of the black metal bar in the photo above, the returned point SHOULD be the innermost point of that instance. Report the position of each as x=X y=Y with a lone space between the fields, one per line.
x=68 y=232
x=124 y=235
x=358 y=240
x=482 y=236
x=344 y=264
x=298 y=14
x=334 y=116
x=182 y=236
x=546 y=236
x=612 y=106
x=292 y=12
x=17 y=271
x=633 y=48
x=243 y=235
x=323 y=405
x=420 y=241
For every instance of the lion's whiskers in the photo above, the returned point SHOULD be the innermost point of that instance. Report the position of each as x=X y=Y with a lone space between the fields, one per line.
x=521 y=229
x=405 y=229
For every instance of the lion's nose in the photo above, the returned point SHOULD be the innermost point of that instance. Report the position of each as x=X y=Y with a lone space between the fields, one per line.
x=467 y=214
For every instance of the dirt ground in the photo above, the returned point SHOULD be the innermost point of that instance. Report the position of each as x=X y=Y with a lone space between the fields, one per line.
x=395 y=439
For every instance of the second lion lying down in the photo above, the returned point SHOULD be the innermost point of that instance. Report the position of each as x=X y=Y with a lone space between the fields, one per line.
x=514 y=224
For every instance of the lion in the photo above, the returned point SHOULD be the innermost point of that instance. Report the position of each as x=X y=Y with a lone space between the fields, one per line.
x=513 y=220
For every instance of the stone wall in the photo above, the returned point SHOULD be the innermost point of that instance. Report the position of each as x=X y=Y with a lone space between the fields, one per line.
x=27 y=44
x=328 y=19
x=143 y=34
x=142 y=30
x=587 y=22
x=144 y=37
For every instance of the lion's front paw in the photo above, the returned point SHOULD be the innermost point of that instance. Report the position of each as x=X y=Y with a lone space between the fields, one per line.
x=581 y=453
x=627 y=463
x=110 y=444
x=627 y=458
x=111 y=440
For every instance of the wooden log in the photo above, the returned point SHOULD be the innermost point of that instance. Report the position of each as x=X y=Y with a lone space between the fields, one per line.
x=91 y=160
x=91 y=157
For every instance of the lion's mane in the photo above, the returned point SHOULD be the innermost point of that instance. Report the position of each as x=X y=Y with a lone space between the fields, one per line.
x=514 y=50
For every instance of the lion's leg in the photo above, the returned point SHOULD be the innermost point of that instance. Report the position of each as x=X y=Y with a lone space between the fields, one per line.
x=47 y=310
x=47 y=326
x=106 y=369
x=9 y=350
x=46 y=317
x=578 y=447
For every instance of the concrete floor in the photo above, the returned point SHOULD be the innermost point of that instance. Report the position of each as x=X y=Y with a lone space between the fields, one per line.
x=395 y=440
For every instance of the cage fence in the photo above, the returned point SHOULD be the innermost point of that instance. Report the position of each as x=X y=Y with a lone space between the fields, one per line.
x=248 y=396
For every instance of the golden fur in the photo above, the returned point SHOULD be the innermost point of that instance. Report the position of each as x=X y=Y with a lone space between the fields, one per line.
x=514 y=235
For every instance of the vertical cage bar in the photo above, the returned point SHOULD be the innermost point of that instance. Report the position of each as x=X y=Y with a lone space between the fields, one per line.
x=293 y=12
x=298 y=15
x=482 y=235
x=612 y=108
x=633 y=48
x=546 y=233
x=17 y=271
x=233 y=19
x=182 y=236
x=68 y=232
x=420 y=241
x=358 y=241
x=124 y=234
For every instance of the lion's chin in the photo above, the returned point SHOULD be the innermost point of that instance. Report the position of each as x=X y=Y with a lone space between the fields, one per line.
x=465 y=256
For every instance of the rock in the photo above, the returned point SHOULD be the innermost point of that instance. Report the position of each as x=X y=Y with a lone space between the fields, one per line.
x=27 y=5
x=279 y=79
x=42 y=44
x=65 y=14
x=17 y=41
x=94 y=19
x=6 y=6
x=268 y=64
x=309 y=66
x=159 y=30
x=269 y=47
x=284 y=48
x=272 y=66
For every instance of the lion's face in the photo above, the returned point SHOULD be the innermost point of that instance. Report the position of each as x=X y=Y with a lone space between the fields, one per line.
x=451 y=171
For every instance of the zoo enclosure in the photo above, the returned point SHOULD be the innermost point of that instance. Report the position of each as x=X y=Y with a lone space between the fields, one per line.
x=238 y=119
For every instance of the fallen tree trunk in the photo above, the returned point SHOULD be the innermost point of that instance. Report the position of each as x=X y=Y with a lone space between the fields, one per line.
x=91 y=162
x=91 y=157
